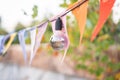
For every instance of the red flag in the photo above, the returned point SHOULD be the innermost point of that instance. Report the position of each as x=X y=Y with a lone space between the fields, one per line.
x=105 y=10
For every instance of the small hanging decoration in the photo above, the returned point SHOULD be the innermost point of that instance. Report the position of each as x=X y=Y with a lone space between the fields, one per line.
x=105 y=10
x=21 y=36
x=59 y=40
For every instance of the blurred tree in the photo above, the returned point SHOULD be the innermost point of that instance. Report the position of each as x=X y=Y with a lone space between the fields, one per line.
x=19 y=27
x=35 y=11
x=2 y=31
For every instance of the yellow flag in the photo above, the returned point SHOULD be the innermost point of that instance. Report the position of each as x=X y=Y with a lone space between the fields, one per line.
x=81 y=14
x=12 y=36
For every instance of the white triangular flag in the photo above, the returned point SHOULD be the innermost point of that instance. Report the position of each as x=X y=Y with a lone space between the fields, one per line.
x=40 y=31
x=21 y=36
x=32 y=37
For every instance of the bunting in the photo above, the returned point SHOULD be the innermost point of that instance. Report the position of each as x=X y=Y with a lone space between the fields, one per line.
x=105 y=10
x=8 y=39
x=36 y=39
x=40 y=32
x=66 y=33
x=80 y=14
x=59 y=39
x=1 y=44
x=32 y=37
x=21 y=36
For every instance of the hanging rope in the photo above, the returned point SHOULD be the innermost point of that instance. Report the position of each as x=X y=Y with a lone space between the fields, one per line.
x=66 y=12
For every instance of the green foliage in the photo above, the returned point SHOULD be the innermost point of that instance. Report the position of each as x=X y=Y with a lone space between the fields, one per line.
x=110 y=78
x=64 y=4
x=2 y=31
x=73 y=1
x=79 y=66
x=19 y=27
x=35 y=11
x=114 y=66
x=104 y=59
x=47 y=34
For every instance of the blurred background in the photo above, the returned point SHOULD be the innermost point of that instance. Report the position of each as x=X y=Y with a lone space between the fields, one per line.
x=98 y=60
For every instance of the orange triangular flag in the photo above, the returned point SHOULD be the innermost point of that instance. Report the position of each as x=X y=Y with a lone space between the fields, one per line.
x=105 y=10
x=81 y=14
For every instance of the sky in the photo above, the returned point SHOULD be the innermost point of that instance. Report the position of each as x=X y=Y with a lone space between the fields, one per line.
x=12 y=11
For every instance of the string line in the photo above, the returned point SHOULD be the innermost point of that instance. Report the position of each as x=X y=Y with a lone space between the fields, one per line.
x=66 y=12
x=51 y=20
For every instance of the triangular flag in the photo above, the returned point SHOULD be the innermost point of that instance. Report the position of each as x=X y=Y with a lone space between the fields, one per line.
x=40 y=31
x=32 y=37
x=105 y=10
x=21 y=36
x=3 y=40
x=81 y=15
x=64 y=30
x=66 y=33
x=1 y=44
x=12 y=36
